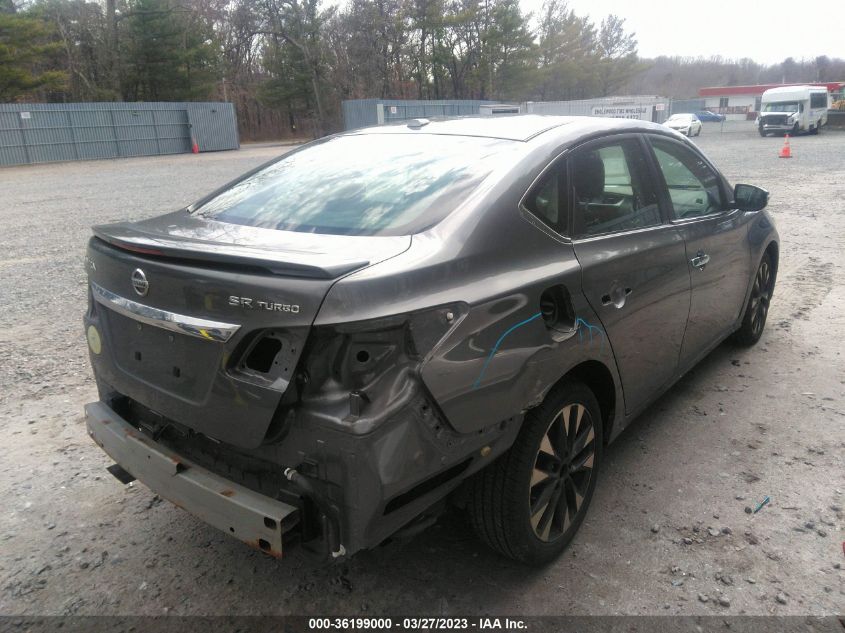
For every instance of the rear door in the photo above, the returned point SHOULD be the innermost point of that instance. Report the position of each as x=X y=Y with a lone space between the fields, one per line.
x=717 y=253
x=633 y=262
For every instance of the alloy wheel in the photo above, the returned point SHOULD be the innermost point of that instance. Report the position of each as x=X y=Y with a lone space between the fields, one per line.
x=761 y=295
x=562 y=472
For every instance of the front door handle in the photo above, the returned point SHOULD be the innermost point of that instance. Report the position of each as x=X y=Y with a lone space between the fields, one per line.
x=700 y=260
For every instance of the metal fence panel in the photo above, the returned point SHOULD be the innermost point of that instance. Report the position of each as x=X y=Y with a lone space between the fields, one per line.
x=403 y=112
x=358 y=113
x=687 y=105
x=563 y=108
x=366 y=112
x=46 y=132
x=213 y=125
x=12 y=148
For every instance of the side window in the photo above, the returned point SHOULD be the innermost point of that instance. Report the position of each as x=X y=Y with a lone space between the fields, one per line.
x=693 y=187
x=544 y=201
x=818 y=100
x=611 y=190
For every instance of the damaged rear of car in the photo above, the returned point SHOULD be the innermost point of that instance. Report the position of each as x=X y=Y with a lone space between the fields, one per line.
x=202 y=333
x=332 y=348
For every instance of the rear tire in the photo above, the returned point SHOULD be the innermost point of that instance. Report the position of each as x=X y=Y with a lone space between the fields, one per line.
x=757 y=308
x=530 y=502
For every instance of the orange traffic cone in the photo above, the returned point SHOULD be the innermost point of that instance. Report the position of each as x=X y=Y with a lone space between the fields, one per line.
x=785 y=151
x=194 y=147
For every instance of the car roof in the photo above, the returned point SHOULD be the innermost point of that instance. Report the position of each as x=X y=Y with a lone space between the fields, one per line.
x=519 y=127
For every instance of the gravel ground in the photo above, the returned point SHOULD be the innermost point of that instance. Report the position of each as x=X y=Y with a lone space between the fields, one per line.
x=667 y=533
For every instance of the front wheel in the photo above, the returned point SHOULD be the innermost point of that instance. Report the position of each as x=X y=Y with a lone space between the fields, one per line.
x=757 y=308
x=762 y=131
x=529 y=504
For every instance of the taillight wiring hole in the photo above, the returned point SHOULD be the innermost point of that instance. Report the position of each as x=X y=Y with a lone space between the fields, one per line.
x=261 y=358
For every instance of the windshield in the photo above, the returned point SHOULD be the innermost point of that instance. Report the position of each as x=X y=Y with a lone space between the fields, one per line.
x=680 y=117
x=374 y=184
x=781 y=106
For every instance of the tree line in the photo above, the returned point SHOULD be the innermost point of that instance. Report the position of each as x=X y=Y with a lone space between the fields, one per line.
x=288 y=64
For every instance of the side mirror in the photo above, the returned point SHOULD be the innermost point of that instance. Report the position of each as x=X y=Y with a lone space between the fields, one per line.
x=750 y=198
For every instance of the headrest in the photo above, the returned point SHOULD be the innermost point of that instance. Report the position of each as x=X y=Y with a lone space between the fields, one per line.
x=588 y=176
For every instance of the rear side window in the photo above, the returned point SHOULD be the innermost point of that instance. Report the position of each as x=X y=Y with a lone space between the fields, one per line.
x=693 y=186
x=544 y=201
x=369 y=184
x=611 y=190
x=818 y=99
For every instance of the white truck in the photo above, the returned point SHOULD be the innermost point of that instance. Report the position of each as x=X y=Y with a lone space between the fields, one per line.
x=793 y=109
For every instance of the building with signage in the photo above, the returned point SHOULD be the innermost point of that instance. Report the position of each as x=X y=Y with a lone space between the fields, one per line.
x=642 y=107
x=743 y=102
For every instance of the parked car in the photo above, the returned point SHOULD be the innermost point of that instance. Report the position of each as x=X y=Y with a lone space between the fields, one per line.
x=793 y=109
x=706 y=115
x=685 y=123
x=330 y=349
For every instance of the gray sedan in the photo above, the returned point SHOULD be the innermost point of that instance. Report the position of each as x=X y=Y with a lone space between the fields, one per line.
x=335 y=347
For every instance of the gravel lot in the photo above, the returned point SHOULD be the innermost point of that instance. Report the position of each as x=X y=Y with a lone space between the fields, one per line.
x=667 y=533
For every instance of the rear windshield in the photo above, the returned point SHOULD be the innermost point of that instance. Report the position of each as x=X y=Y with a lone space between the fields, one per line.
x=374 y=184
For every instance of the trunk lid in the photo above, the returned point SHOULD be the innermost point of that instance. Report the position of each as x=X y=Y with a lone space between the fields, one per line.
x=212 y=336
x=290 y=253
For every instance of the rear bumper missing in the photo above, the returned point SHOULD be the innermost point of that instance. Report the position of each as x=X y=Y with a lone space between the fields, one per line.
x=255 y=519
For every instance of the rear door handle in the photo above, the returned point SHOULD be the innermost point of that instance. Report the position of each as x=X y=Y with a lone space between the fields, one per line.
x=700 y=260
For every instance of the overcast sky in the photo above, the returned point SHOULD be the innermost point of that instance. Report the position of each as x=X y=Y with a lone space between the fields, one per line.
x=766 y=31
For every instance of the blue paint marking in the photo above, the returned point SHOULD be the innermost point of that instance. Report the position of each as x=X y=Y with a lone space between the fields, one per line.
x=499 y=342
x=579 y=322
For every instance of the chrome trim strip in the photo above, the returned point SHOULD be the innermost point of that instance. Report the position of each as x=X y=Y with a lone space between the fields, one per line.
x=727 y=213
x=201 y=328
x=639 y=229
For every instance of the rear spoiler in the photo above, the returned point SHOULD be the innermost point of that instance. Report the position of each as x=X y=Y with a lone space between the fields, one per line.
x=277 y=262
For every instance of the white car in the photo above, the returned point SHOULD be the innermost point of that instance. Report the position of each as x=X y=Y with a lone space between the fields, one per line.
x=685 y=123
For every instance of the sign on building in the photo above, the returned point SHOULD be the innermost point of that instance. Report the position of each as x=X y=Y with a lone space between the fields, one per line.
x=642 y=112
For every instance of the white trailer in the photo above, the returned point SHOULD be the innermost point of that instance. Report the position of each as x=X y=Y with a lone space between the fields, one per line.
x=793 y=109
